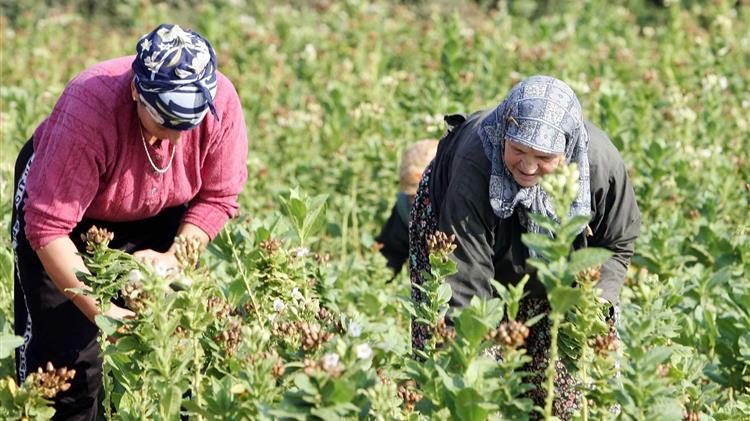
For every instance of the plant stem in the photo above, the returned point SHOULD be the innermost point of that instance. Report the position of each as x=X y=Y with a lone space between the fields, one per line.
x=585 y=381
x=245 y=279
x=552 y=364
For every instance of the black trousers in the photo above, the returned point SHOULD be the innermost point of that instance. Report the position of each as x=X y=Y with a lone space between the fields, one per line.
x=52 y=326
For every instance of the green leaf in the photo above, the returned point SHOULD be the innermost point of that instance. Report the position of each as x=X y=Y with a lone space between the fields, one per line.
x=444 y=293
x=8 y=343
x=108 y=325
x=586 y=258
x=468 y=405
x=573 y=227
x=564 y=298
x=170 y=403
x=338 y=391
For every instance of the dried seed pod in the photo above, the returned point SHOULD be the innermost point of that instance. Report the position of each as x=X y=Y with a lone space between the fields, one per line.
x=270 y=246
x=590 y=275
x=218 y=307
x=444 y=333
x=313 y=337
x=602 y=345
x=439 y=243
x=511 y=334
x=408 y=394
x=135 y=296
x=310 y=366
x=97 y=238
x=692 y=416
x=188 y=251
x=322 y=259
x=51 y=381
x=277 y=370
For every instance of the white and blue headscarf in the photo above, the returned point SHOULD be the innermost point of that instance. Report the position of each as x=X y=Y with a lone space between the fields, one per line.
x=175 y=75
x=543 y=113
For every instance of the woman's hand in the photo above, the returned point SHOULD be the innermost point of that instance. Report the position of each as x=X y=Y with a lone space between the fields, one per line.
x=119 y=313
x=162 y=263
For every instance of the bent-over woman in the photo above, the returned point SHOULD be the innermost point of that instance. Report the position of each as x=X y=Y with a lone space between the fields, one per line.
x=482 y=186
x=127 y=147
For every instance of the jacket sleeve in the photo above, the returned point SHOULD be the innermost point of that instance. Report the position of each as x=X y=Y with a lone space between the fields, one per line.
x=395 y=240
x=465 y=212
x=615 y=227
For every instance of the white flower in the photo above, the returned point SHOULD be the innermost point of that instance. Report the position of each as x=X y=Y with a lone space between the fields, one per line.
x=301 y=252
x=330 y=361
x=186 y=281
x=363 y=351
x=296 y=295
x=355 y=329
x=135 y=276
x=161 y=270
x=278 y=305
x=723 y=83
x=310 y=52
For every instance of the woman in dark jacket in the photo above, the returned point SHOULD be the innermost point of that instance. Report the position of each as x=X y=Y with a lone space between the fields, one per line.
x=394 y=236
x=482 y=186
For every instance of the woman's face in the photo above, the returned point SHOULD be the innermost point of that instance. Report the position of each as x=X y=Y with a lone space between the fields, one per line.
x=151 y=128
x=528 y=165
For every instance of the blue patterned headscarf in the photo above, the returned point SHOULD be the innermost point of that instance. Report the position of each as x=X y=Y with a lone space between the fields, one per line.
x=175 y=75
x=544 y=114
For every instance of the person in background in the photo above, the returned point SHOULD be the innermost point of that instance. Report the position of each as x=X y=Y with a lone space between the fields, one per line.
x=148 y=147
x=484 y=183
x=394 y=236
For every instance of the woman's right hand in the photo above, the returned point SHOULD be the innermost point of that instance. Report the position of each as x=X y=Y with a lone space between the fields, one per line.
x=119 y=313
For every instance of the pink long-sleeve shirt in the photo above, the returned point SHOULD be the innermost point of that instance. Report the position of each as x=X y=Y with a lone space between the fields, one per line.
x=89 y=160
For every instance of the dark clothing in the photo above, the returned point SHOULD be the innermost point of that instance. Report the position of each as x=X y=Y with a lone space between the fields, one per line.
x=395 y=234
x=488 y=247
x=52 y=326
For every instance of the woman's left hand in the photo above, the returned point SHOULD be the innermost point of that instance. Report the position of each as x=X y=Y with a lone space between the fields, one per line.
x=162 y=263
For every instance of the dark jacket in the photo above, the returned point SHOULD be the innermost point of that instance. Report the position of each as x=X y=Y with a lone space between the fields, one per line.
x=395 y=234
x=488 y=247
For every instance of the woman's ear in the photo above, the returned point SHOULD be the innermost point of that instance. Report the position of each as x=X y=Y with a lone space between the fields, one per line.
x=133 y=91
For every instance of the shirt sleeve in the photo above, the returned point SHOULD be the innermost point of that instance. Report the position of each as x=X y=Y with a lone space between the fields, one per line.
x=68 y=164
x=615 y=227
x=464 y=213
x=223 y=173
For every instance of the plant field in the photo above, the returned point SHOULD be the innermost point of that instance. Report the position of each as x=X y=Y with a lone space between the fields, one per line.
x=291 y=313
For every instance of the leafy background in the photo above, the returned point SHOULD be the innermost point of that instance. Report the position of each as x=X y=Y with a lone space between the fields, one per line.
x=333 y=92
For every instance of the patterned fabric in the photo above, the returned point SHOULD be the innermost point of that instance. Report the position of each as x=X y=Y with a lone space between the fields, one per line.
x=424 y=222
x=544 y=114
x=175 y=75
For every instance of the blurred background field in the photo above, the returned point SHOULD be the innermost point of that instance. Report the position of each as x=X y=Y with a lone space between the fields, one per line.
x=334 y=91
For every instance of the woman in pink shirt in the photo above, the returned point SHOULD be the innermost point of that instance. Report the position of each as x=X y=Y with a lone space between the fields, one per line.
x=126 y=148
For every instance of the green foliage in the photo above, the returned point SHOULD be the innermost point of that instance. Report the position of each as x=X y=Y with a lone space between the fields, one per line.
x=333 y=92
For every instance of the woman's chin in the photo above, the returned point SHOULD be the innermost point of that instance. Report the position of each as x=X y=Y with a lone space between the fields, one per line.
x=525 y=180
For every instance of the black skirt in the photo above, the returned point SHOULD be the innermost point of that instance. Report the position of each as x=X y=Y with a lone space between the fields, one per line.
x=53 y=328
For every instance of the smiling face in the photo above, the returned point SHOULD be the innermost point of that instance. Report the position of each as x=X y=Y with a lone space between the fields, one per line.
x=528 y=165
x=151 y=129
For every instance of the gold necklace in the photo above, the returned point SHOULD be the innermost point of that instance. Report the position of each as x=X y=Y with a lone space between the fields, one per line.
x=148 y=155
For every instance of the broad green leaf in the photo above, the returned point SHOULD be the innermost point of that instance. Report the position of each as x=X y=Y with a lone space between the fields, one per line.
x=107 y=324
x=564 y=298
x=170 y=402
x=8 y=344
x=586 y=258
